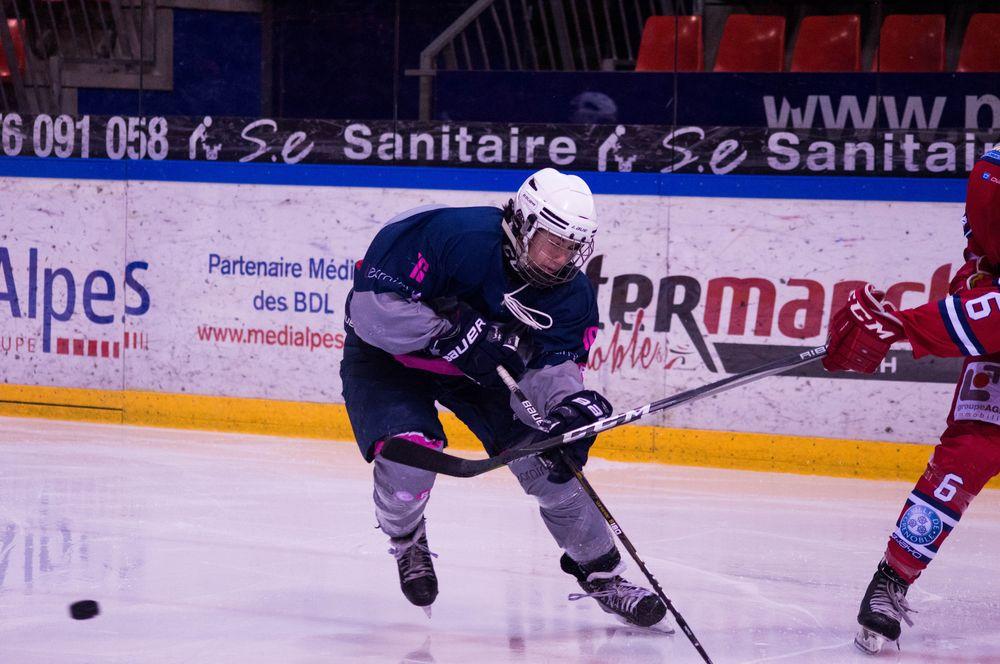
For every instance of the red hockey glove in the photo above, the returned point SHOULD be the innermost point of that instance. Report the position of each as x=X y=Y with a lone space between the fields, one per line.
x=977 y=271
x=861 y=332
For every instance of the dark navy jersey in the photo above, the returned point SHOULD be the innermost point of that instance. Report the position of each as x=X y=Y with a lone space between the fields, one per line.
x=435 y=254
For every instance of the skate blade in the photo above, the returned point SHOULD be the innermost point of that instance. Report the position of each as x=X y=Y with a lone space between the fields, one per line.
x=869 y=642
x=661 y=628
x=427 y=610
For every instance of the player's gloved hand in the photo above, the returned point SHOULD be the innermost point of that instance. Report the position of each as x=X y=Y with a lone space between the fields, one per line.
x=477 y=347
x=976 y=272
x=573 y=412
x=861 y=332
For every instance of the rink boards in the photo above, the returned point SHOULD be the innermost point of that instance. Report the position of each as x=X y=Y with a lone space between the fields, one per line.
x=210 y=296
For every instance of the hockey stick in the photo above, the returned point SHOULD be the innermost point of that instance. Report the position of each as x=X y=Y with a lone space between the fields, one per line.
x=602 y=508
x=403 y=451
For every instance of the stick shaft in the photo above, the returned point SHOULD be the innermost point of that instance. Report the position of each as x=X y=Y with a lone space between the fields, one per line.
x=441 y=462
x=605 y=512
x=627 y=543
x=777 y=366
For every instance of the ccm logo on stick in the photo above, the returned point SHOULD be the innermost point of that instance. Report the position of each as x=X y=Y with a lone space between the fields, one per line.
x=627 y=416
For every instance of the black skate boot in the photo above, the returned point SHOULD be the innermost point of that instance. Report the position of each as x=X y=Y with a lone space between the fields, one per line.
x=602 y=580
x=416 y=567
x=882 y=607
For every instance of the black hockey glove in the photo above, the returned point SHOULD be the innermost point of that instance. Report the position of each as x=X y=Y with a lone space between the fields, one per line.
x=573 y=412
x=477 y=347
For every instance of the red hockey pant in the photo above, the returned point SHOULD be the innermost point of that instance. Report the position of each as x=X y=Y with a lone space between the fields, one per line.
x=967 y=457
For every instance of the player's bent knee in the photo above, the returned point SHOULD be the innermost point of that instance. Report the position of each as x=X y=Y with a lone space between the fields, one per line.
x=533 y=476
x=399 y=483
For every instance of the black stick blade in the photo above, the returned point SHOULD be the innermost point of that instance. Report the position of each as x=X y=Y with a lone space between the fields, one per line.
x=417 y=456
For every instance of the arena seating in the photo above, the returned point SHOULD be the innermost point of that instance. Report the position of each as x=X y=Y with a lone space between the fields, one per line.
x=669 y=41
x=828 y=43
x=981 y=45
x=756 y=43
x=17 y=36
x=910 y=43
x=752 y=43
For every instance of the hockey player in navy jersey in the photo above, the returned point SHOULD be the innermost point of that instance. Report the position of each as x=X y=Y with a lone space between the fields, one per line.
x=443 y=297
x=967 y=323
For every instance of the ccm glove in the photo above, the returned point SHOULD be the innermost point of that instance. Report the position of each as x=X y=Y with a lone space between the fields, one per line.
x=861 y=332
x=573 y=412
x=477 y=347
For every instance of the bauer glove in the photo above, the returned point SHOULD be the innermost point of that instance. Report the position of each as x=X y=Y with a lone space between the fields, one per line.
x=573 y=412
x=477 y=347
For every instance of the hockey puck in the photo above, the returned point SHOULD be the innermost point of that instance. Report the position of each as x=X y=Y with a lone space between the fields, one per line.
x=84 y=609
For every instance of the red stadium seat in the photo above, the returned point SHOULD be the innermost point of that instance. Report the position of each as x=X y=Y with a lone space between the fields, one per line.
x=752 y=43
x=828 y=43
x=911 y=42
x=981 y=46
x=17 y=36
x=669 y=41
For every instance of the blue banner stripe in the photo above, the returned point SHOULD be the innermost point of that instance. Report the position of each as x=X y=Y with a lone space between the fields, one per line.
x=943 y=311
x=939 y=190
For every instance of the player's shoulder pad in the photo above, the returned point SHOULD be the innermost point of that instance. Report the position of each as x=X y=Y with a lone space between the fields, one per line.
x=470 y=219
x=468 y=229
x=481 y=224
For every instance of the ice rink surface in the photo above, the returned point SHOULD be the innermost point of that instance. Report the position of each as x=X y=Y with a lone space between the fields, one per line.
x=222 y=548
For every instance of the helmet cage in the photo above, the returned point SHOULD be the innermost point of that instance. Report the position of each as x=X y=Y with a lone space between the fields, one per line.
x=524 y=230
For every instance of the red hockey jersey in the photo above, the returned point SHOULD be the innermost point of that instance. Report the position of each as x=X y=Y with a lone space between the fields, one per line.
x=967 y=322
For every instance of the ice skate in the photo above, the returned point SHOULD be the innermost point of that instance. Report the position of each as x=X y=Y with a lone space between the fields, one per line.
x=416 y=567
x=602 y=581
x=882 y=608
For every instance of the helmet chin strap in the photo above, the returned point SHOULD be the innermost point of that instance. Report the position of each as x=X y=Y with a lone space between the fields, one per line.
x=513 y=250
x=533 y=318
x=509 y=232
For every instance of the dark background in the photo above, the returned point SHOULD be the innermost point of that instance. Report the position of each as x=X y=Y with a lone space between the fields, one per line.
x=348 y=58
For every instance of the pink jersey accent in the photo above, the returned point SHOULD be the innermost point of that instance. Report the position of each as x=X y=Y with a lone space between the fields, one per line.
x=431 y=364
x=413 y=437
x=419 y=271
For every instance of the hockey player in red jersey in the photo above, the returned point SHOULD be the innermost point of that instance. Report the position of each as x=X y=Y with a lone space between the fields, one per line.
x=967 y=322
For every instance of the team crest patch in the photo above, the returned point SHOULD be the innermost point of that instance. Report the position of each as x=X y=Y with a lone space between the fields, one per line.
x=920 y=525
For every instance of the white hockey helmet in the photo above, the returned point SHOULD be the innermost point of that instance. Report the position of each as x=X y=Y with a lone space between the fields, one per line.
x=560 y=205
